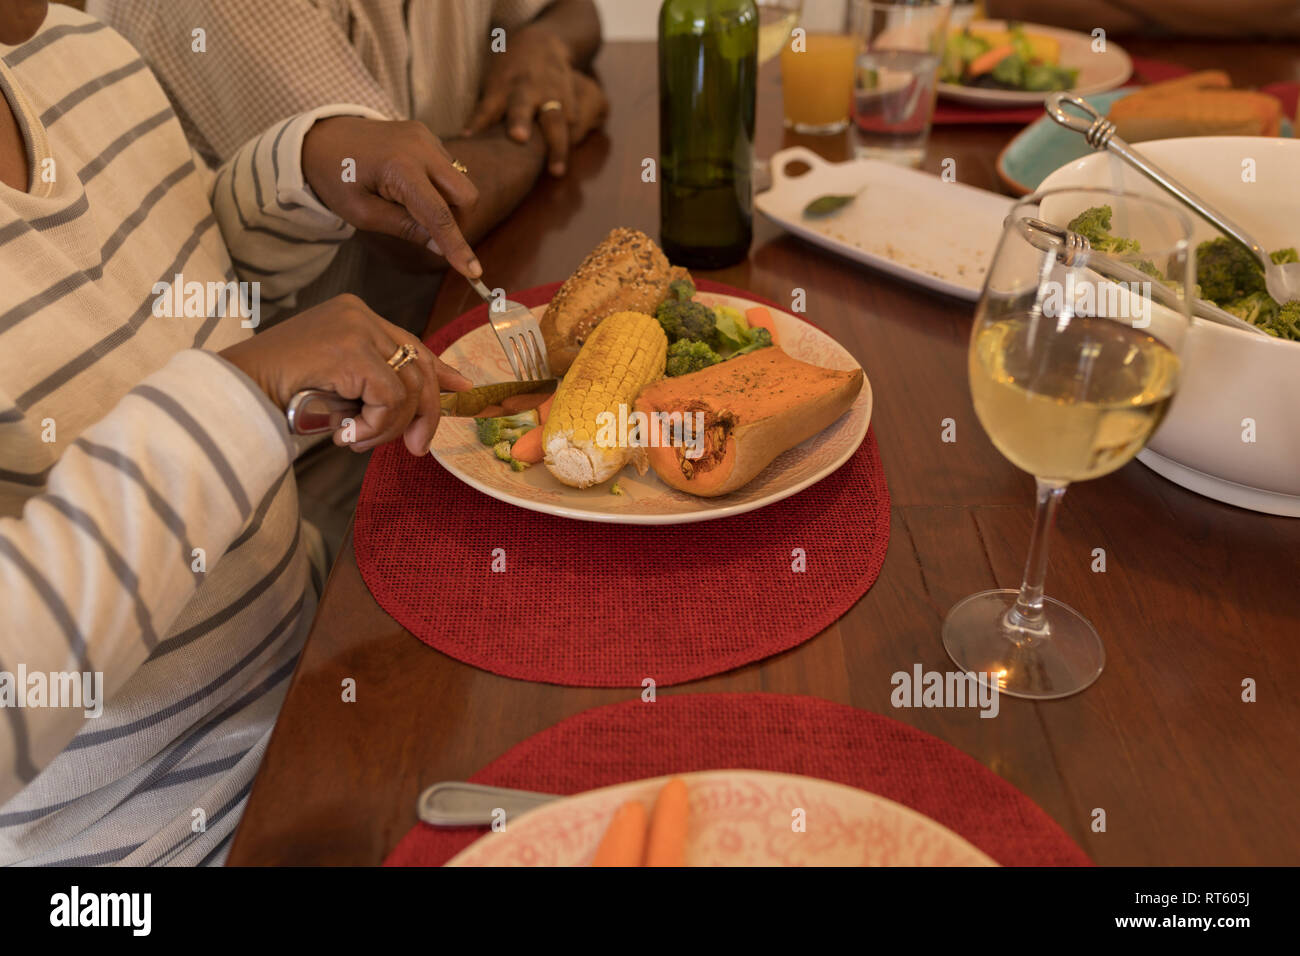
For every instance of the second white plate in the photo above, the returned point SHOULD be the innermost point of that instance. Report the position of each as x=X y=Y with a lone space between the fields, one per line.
x=737 y=818
x=911 y=224
x=1099 y=70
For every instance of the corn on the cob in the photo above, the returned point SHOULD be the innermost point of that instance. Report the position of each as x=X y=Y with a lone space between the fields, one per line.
x=625 y=353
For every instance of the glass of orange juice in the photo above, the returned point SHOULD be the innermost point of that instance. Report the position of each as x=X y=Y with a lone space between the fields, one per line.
x=817 y=80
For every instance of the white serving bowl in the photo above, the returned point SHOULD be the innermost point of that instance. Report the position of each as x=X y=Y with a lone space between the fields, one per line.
x=1229 y=375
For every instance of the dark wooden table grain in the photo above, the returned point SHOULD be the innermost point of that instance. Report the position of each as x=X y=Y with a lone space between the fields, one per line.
x=1196 y=596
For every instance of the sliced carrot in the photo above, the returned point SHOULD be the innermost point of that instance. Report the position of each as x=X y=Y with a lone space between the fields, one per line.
x=528 y=446
x=544 y=409
x=492 y=411
x=759 y=317
x=522 y=403
x=666 y=844
x=624 y=841
x=985 y=62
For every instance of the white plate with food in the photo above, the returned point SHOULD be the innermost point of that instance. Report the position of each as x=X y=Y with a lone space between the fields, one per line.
x=998 y=65
x=910 y=224
x=755 y=444
x=734 y=818
x=1232 y=432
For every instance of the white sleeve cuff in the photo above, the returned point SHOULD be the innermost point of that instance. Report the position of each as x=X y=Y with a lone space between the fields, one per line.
x=291 y=185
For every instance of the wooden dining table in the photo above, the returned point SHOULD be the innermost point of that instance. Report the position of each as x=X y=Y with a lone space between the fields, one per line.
x=1166 y=759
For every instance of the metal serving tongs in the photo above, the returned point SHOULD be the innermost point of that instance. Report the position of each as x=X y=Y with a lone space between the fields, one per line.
x=1283 y=281
x=1072 y=249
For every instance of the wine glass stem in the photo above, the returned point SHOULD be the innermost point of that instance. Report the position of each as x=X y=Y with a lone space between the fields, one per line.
x=1027 y=614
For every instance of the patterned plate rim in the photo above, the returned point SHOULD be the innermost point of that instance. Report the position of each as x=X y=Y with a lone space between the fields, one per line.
x=459 y=860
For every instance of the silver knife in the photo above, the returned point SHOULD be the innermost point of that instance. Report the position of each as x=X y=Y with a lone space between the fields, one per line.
x=457 y=804
x=314 y=410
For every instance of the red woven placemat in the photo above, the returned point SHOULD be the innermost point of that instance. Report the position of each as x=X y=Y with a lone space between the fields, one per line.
x=802 y=735
x=595 y=605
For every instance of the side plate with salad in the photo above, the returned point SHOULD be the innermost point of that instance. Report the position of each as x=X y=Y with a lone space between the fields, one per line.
x=996 y=63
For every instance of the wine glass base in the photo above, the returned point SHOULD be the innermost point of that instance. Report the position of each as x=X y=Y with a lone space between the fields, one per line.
x=1061 y=659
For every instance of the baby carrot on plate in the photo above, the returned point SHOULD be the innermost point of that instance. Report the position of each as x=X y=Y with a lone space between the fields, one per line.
x=624 y=841
x=544 y=409
x=522 y=403
x=528 y=447
x=666 y=844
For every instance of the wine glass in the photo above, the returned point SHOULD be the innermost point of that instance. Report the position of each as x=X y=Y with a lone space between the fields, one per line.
x=776 y=20
x=1073 y=363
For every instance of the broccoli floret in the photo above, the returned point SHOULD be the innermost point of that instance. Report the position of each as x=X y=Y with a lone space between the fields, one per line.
x=1010 y=71
x=758 y=339
x=680 y=290
x=1286 y=322
x=1094 y=225
x=686 y=320
x=502 y=450
x=1226 y=270
x=1044 y=77
x=1257 y=308
x=686 y=356
x=491 y=431
x=1282 y=256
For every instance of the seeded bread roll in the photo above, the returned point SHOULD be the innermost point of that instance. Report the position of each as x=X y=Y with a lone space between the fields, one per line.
x=627 y=272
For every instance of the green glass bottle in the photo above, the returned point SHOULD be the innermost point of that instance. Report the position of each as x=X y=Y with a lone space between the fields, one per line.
x=708 y=73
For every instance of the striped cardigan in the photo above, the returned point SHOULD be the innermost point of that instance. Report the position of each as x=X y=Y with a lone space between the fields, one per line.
x=149 y=526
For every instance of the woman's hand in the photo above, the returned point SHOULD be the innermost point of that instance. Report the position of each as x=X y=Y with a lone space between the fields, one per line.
x=405 y=184
x=342 y=346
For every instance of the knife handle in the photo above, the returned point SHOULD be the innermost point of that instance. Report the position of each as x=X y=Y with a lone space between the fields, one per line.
x=315 y=410
x=457 y=804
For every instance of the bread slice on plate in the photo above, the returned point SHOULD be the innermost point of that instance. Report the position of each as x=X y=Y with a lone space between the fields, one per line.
x=1200 y=104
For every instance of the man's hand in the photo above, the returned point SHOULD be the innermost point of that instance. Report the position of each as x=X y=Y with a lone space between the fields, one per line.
x=343 y=347
x=535 y=72
x=405 y=184
x=590 y=108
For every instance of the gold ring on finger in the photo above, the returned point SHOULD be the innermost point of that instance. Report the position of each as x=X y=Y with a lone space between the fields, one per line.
x=550 y=105
x=460 y=167
x=403 y=357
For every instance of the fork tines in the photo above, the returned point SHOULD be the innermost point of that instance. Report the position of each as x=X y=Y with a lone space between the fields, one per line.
x=527 y=355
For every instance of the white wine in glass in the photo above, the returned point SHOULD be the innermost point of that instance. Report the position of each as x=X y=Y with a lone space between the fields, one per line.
x=1073 y=362
x=776 y=21
x=1063 y=428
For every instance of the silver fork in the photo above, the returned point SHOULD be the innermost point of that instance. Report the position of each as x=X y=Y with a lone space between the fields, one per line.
x=518 y=333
